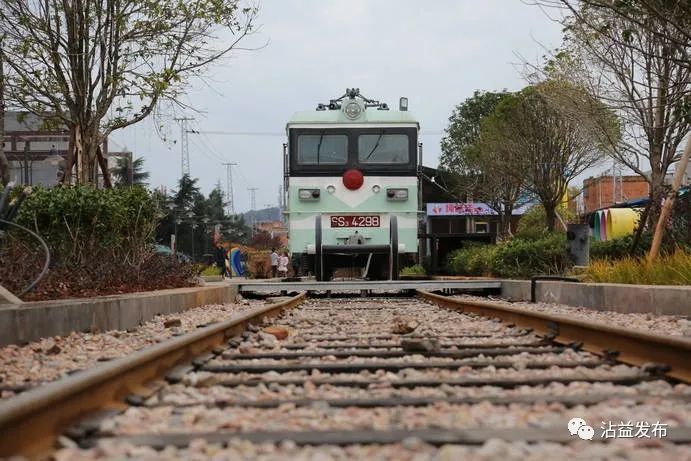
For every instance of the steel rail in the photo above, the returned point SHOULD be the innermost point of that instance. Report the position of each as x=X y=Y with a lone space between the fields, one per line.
x=31 y=422
x=633 y=347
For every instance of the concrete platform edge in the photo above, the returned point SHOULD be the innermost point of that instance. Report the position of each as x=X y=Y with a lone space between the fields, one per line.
x=30 y=321
x=655 y=299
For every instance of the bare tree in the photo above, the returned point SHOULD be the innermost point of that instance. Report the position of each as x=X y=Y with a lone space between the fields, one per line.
x=552 y=148
x=4 y=164
x=496 y=173
x=636 y=66
x=639 y=14
x=96 y=66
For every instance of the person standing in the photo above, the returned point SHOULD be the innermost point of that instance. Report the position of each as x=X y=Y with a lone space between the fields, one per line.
x=295 y=261
x=283 y=262
x=220 y=259
x=274 y=263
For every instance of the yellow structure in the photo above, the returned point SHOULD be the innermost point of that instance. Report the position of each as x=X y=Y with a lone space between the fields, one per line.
x=621 y=222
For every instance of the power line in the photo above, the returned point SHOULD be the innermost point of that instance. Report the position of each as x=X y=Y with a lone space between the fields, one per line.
x=278 y=133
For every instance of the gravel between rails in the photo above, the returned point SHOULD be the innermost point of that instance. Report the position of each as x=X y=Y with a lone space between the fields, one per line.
x=52 y=358
x=180 y=394
x=675 y=325
x=320 y=416
x=409 y=450
x=185 y=407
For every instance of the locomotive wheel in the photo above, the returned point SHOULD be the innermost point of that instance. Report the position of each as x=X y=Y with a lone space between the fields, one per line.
x=318 y=257
x=394 y=259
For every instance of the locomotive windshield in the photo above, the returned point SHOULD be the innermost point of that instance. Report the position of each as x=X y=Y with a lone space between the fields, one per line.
x=322 y=149
x=383 y=148
x=384 y=151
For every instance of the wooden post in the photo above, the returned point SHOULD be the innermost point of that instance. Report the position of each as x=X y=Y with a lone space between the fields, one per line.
x=668 y=203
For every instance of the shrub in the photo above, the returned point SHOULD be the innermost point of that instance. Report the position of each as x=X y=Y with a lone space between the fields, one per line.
x=619 y=248
x=82 y=223
x=101 y=242
x=531 y=226
x=472 y=260
x=673 y=269
x=525 y=258
x=210 y=270
x=416 y=269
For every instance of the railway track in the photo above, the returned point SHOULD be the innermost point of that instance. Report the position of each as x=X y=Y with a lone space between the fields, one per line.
x=364 y=378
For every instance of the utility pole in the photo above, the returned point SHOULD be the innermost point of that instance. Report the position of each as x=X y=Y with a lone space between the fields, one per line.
x=253 y=197
x=230 y=203
x=253 y=205
x=184 y=145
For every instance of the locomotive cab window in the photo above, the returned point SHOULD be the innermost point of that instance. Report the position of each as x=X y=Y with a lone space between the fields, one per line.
x=383 y=148
x=321 y=149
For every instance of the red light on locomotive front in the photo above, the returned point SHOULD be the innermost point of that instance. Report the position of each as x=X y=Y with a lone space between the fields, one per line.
x=353 y=179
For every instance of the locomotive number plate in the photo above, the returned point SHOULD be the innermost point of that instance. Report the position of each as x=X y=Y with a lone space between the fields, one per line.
x=355 y=221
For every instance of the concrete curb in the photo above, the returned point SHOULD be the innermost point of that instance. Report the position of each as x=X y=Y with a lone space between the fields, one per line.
x=30 y=321
x=656 y=299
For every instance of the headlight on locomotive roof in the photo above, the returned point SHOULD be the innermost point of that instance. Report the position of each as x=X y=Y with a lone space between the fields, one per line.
x=397 y=194
x=308 y=194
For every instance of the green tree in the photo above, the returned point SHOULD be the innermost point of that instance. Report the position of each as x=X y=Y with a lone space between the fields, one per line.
x=551 y=147
x=464 y=128
x=121 y=172
x=193 y=217
x=484 y=170
x=96 y=66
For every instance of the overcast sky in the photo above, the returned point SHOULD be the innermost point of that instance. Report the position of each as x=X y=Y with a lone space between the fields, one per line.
x=436 y=53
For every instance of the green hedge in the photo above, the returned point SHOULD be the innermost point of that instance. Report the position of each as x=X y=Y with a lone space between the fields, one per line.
x=472 y=260
x=101 y=242
x=619 y=248
x=525 y=258
x=81 y=223
x=416 y=269
x=517 y=258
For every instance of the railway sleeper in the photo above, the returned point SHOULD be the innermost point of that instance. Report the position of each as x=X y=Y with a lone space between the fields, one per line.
x=432 y=436
x=388 y=366
x=568 y=401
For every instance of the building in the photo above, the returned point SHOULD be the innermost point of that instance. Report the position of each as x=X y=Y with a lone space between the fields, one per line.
x=33 y=150
x=36 y=152
x=274 y=229
x=605 y=191
x=447 y=224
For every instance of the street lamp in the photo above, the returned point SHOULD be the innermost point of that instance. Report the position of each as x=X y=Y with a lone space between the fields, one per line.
x=174 y=242
x=194 y=226
x=205 y=221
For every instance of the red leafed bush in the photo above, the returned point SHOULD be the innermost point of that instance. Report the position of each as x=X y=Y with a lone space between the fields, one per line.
x=104 y=276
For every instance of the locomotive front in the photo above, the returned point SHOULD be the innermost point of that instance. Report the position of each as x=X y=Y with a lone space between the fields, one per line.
x=352 y=184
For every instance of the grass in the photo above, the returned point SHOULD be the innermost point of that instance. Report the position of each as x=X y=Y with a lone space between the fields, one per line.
x=211 y=270
x=673 y=269
x=417 y=269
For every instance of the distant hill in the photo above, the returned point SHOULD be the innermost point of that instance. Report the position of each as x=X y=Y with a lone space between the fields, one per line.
x=267 y=214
